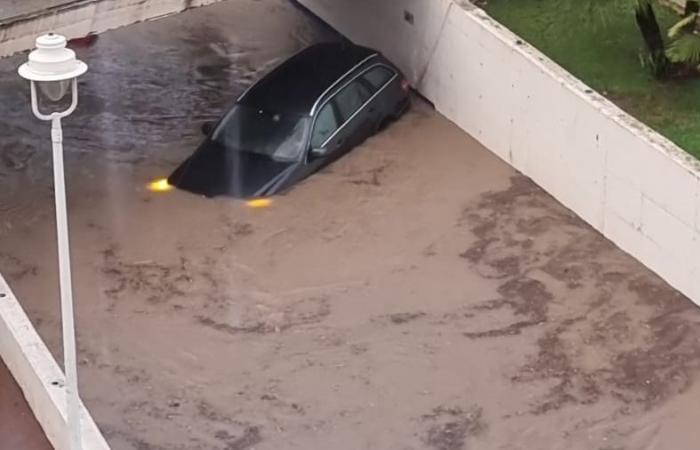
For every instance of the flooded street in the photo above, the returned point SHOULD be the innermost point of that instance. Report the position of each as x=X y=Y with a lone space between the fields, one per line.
x=417 y=294
x=19 y=428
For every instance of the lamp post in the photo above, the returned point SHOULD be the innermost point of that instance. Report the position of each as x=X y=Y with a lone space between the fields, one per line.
x=55 y=69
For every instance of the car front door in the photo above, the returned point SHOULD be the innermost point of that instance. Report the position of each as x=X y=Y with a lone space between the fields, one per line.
x=323 y=143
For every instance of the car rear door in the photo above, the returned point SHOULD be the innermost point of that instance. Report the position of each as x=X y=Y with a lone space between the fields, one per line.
x=355 y=123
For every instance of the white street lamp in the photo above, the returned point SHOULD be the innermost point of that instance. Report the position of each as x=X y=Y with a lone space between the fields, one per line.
x=55 y=69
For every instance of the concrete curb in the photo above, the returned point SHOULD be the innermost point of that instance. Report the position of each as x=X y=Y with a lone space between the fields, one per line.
x=39 y=376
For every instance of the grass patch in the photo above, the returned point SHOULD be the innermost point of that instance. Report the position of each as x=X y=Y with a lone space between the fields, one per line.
x=606 y=57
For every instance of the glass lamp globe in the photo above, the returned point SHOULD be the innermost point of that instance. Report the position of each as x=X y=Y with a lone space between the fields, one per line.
x=52 y=66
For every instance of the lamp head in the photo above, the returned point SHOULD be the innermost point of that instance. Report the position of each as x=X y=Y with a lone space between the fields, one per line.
x=52 y=66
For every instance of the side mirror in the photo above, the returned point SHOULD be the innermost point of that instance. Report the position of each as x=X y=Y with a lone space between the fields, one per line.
x=207 y=128
x=318 y=152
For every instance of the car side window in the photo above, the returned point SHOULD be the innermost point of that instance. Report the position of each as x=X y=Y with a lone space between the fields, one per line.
x=325 y=126
x=377 y=77
x=351 y=98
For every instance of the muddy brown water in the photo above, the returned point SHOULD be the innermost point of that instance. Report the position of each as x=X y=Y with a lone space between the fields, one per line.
x=417 y=294
x=18 y=427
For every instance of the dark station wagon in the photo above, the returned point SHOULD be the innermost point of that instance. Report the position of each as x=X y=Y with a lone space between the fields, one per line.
x=303 y=115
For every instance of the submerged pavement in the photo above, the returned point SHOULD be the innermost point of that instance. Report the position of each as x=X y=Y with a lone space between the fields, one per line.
x=418 y=293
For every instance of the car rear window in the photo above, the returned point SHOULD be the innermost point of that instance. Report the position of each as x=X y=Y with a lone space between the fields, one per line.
x=378 y=76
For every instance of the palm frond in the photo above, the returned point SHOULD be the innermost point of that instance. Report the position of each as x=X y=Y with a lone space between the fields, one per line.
x=685 y=25
x=685 y=50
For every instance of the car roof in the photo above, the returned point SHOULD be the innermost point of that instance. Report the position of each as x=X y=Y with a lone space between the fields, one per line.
x=296 y=84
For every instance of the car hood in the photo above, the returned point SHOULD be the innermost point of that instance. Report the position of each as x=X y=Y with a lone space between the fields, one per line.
x=214 y=170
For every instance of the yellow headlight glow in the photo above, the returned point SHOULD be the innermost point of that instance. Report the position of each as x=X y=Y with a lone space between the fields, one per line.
x=160 y=185
x=259 y=203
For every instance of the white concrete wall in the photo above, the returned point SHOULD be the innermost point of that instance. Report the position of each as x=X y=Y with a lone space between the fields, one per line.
x=80 y=18
x=630 y=183
x=380 y=24
x=39 y=376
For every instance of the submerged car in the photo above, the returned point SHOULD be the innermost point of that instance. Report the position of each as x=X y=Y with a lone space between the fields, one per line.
x=303 y=115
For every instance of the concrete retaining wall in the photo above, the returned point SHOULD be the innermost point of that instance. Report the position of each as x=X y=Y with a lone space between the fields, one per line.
x=39 y=376
x=630 y=183
x=77 y=18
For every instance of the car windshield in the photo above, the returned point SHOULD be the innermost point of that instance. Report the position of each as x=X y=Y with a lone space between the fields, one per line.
x=278 y=135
